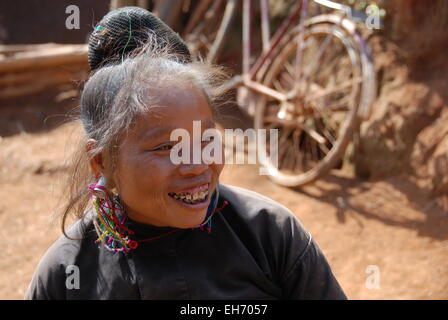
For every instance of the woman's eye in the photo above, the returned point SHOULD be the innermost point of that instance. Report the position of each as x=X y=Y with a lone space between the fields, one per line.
x=208 y=139
x=164 y=148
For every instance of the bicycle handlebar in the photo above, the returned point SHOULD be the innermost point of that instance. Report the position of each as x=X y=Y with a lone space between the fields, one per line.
x=351 y=14
x=334 y=5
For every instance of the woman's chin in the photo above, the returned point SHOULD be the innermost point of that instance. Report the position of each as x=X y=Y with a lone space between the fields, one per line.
x=186 y=222
x=188 y=215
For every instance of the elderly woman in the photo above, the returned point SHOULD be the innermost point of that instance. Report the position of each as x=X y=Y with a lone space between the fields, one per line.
x=148 y=228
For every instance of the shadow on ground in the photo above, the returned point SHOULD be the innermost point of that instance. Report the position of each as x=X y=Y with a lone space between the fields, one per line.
x=394 y=202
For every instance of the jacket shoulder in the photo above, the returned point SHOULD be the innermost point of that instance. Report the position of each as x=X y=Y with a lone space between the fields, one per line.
x=259 y=209
x=269 y=230
x=48 y=281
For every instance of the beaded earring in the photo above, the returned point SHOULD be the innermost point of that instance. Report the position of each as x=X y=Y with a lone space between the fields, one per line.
x=110 y=219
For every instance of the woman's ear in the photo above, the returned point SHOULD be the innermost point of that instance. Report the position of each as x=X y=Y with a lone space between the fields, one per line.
x=96 y=162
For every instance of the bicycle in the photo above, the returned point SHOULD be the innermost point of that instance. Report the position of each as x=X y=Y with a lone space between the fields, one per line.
x=314 y=80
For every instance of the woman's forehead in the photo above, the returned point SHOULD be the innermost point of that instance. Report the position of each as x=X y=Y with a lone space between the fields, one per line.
x=178 y=94
x=175 y=108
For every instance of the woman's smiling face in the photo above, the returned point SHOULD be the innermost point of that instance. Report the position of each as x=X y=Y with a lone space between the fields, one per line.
x=153 y=189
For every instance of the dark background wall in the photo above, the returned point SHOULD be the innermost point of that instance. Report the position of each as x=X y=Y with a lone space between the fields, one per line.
x=40 y=21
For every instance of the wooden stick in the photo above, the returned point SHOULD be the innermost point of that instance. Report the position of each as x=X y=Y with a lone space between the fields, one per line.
x=17 y=78
x=40 y=82
x=66 y=55
x=32 y=87
x=9 y=49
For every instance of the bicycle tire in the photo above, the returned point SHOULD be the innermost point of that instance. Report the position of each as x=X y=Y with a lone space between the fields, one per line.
x=350 y=124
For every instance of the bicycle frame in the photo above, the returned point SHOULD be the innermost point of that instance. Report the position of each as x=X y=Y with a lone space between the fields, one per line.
x=251 y=74
x=300 y=8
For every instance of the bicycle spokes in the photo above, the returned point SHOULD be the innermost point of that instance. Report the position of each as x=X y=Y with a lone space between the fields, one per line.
x=321 y=97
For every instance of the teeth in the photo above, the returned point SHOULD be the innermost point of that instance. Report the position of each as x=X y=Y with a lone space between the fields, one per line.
x=195 y=197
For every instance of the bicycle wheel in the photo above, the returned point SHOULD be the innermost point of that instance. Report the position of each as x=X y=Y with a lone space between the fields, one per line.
x=208 y=26
x=316 y=124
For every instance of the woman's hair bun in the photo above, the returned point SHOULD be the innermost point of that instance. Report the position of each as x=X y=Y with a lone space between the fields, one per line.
x=123 y=30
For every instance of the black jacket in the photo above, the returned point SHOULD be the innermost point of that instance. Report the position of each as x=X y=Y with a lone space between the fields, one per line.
x=257 y=250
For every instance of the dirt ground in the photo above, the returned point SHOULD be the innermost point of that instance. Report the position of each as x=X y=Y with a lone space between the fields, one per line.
x=390 y=224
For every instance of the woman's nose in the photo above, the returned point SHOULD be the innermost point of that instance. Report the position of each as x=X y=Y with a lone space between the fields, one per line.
x=192 y=169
